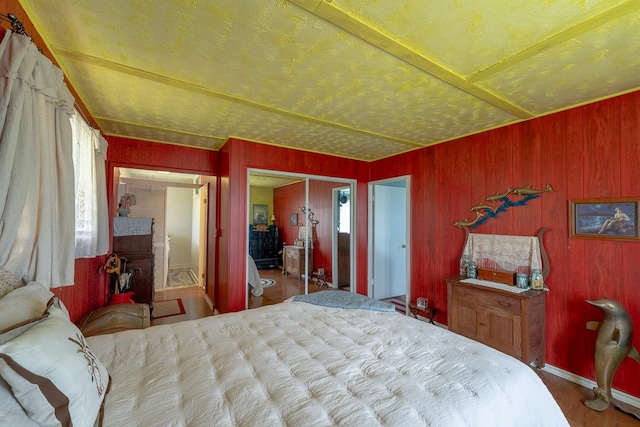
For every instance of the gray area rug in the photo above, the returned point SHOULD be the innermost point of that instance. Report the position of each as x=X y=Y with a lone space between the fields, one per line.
x=267 y=282
x=181 y=277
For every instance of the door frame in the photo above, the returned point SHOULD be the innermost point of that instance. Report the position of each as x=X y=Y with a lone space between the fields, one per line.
x=371 y=234
x=335 y=211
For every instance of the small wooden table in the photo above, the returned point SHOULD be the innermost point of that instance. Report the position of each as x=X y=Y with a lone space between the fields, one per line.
x=321 y=278
x=426 y=312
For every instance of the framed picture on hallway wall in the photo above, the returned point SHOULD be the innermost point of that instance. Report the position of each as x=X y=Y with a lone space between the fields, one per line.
x=260 y=214
x=293 y=219
x=615 y=219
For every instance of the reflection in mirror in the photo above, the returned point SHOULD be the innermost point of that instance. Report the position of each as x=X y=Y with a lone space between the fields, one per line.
x=304 y=234
x=343 y=254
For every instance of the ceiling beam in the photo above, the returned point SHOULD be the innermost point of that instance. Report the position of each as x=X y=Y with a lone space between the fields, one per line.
x=143 y=74
x=592 y=23
x=159 y=128
x=332 y=14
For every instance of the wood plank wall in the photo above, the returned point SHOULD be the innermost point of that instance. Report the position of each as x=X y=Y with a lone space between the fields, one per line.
x=288 y=199
x=586 y=152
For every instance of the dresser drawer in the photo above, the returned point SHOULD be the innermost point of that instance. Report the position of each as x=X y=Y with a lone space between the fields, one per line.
x=489 y=299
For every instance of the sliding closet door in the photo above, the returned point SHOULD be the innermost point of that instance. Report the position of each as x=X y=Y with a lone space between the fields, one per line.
x=304 y=211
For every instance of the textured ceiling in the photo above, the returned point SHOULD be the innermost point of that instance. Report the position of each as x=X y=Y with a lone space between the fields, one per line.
x=352 y=78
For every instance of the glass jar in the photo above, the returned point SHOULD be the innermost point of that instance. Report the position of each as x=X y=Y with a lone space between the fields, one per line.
x=521 y=281
x=464 y=262
x=537 y=281
x=472 y=270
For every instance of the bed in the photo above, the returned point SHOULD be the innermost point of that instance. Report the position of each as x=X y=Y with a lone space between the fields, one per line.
x=307 y=363
x=253 y=277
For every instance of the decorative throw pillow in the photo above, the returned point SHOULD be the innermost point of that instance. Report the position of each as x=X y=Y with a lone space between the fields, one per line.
x=22 y=308
x=8 y=282
x=54 y=374
x=11 y=413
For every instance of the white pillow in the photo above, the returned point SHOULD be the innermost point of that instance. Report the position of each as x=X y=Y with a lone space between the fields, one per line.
x=54 y=374
x=22 y=308
x=11 y=413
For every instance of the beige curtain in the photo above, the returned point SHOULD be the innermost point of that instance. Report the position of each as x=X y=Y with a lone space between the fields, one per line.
x=36 y=166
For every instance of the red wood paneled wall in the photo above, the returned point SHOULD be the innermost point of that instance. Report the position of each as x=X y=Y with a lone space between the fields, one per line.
x=587 y=152
x=287 y=200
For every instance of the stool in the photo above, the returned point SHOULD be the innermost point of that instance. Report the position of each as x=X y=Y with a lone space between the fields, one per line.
x=426 y=312
x=321 y=278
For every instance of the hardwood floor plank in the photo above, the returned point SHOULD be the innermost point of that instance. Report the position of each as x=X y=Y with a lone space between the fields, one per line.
x=193 y=300
x=570 y=397
x=286 y=286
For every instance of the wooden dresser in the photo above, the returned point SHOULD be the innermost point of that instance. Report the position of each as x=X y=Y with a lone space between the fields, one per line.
x=513 y=323
x=294 y=261
x=263 y=246
x=134 y=242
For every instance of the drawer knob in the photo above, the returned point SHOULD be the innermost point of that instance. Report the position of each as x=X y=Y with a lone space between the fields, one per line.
x=504 y=304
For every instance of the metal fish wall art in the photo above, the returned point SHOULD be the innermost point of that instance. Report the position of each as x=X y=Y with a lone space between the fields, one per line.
x=484 y=211
x=482 y=206
x=525 y=191
x=498 y=196
x=466 y=222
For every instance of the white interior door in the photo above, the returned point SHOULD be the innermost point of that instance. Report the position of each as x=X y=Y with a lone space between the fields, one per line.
x=389 y=239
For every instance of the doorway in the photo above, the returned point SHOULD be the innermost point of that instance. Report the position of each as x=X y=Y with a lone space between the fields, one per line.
x=177 y=202
x=389 y=240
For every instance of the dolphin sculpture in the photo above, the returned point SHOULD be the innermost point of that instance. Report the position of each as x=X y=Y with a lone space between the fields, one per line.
x=613 y=345
x=527 y=191
x=498 y=196
x=482 y=206
x=466 y=223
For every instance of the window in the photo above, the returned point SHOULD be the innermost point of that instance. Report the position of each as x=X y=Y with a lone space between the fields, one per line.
x=91 y=212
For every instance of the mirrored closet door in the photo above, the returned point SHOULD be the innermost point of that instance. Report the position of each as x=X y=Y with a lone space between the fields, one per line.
x=299 y=236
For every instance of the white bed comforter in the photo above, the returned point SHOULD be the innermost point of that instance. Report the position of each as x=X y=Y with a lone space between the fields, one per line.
x=298 y=364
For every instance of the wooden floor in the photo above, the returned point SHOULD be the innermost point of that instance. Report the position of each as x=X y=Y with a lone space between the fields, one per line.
x=570 y=396
x=195 y=305
x=286 y=286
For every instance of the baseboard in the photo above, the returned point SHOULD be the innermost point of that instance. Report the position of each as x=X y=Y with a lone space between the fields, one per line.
x=181 y=267
x=584 y=382
x=210 y=303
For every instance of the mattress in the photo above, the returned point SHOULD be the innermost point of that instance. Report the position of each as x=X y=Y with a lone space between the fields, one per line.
x=298 y=364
